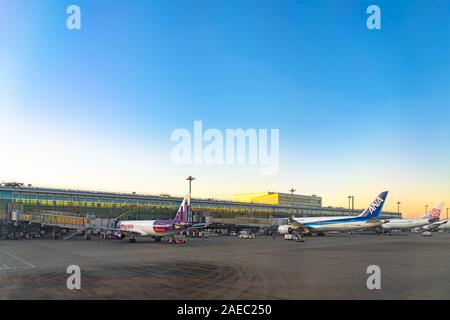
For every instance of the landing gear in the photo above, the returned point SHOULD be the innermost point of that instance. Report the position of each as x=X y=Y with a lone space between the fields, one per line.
x=132 y=239
x=157 y=239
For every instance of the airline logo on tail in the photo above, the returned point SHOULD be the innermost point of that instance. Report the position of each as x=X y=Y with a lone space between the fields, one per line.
x=183 y=211
x=435 y=212
x=374 y=210
x=374 y=206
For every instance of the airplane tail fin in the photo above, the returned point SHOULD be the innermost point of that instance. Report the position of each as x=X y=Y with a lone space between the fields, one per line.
x=374 y=209
x=435 y=212
x=183 y=210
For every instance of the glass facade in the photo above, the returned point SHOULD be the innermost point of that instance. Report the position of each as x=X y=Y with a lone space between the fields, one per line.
x=132 y=206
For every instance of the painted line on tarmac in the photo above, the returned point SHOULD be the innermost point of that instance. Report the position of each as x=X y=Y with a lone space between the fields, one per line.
x=17 y=258
x=12 y=269
x=4 y=267
x=346 y=243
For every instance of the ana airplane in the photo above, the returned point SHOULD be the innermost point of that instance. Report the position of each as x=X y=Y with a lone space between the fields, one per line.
x=158 y=228
x=401 y=224
x=369 y=218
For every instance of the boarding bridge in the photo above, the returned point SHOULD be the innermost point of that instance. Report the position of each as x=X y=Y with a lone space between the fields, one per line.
x=76 y=223
x=250 y=222
x=52 y=219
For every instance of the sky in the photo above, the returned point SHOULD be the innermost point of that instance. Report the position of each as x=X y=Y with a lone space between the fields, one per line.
x=359 y=111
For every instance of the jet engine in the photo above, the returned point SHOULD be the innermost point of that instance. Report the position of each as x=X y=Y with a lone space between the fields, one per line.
x=285 y=229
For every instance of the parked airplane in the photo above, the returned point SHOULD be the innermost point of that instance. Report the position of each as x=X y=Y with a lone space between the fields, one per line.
x=369 y=218
x=403 y=224
x=158 y=228
x=438 y=225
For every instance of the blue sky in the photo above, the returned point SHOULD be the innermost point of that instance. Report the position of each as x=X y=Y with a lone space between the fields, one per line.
x=358 y=110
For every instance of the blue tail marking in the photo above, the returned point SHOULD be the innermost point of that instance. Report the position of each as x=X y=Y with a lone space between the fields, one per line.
x=374 y=209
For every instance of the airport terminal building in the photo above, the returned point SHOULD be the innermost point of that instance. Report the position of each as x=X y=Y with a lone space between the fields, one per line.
x=66 y=203
x=280 y=199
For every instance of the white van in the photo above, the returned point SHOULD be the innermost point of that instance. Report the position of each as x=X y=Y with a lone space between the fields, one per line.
x=246 y=235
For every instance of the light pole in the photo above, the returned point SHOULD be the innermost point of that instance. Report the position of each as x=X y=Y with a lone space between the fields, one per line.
x=352 y=198
x=426 y=209
x=190 y=179
x=292 y=196
x=447 y=213
x=398 y=206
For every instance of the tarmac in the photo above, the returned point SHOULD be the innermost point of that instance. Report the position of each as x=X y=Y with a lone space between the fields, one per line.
x=330 y=267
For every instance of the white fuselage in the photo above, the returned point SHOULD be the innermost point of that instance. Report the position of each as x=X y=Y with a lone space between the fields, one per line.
x=399 y=224
x=325 y=224
x=148 y=228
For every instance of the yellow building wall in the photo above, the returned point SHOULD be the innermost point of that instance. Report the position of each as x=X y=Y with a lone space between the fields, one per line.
x=267 y=199
x=248 y=197
x=258 y=197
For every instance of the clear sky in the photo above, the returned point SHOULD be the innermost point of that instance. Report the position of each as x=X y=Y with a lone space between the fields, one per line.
x=359 y=111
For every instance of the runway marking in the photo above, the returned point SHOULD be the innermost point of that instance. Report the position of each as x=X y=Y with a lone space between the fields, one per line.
x=17 y=258
x=4 y=267
x=12 y=269
x=337 y=244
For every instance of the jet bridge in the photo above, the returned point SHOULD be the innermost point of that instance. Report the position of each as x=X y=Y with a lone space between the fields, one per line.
x=243 y=221
x=52 y=219
x=76 y=223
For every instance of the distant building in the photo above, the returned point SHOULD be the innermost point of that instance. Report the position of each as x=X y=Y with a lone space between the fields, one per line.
x=278 y=198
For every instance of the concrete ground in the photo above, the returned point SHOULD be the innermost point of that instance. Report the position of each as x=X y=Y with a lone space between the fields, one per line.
x=331 y=267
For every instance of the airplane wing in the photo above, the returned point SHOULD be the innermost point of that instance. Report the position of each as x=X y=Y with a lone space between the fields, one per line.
x=121 y=231
x=201 y=225
x=133 y=232
x=198 y=226
x=436 y=224
x=294 y=224
x=381 y=221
